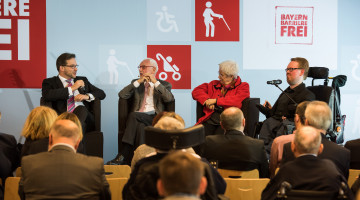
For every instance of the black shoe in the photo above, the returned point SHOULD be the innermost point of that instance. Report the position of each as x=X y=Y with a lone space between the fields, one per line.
x=118 y=160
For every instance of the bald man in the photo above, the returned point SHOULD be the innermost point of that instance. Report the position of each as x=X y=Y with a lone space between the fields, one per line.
x=61 y=173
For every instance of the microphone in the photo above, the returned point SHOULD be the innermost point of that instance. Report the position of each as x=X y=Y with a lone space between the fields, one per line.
x=81 y=90
x=273 y=82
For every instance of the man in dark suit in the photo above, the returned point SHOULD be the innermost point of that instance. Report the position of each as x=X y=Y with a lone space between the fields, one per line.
x=68 y=92
x=319 y=116
x=149 y=96
x=61 y=173
x=354 y=147
x=233 y=150
x=307 y=171
x=283 y=111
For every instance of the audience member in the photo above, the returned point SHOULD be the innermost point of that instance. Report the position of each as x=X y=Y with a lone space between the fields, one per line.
x=36 y=130
x=278 y=144
x=234 y=150
x=61 y=173
x=354 y=147
x=181 y=177
x=68 y=92
x=9 y=157
x=307 y=171
x=319 y=116
x=220 y=94
x=283 y=111
x=142 y=181
x=149 y=97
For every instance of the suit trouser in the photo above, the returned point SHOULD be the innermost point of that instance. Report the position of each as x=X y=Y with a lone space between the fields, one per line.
x=87 y=122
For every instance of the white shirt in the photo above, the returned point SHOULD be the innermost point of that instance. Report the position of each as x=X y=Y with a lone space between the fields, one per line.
x=149 y=101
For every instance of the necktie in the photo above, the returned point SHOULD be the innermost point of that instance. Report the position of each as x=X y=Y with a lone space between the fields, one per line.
x=146 y=94
x=71 y=100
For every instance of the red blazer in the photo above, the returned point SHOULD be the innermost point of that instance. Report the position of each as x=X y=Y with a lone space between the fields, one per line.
x=212 y=90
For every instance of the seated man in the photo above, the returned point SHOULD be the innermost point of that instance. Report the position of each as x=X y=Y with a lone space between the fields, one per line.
x=319 y=116
x=278 y=144
x=181 y=177
x=233 y=150
x=61 y=173
x=283 y=111
x=307 y=171
x=142 y=181
x=354 y=147
x=68 y=92
x=150 y=96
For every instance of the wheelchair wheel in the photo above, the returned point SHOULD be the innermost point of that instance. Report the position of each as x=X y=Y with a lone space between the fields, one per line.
x=163 y=76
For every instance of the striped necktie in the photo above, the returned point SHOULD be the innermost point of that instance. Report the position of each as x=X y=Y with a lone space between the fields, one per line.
x=71 y=100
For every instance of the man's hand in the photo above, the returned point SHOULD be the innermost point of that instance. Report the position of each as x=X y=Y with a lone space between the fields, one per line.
x=267 y=105
x=77 y=84
x=147 y=78
x=210 y=103
x=81 y=97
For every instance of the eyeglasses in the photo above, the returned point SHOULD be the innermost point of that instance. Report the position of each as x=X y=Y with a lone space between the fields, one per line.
x=291 y=69
x=143 y=67
x=72 y=66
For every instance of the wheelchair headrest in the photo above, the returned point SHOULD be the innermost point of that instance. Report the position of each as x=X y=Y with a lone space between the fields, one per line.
x=318 y=72
x=174 y=139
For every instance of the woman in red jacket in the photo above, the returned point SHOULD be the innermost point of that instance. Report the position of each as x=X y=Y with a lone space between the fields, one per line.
x=220 y=94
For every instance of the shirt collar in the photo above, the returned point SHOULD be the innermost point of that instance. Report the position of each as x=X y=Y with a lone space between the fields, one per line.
x=63 y=144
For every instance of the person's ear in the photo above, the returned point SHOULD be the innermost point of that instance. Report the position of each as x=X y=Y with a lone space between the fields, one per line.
x=243 y=122
x=160 y=187
x=321 y=148
x=306 y=122
x=296 y=118
x=203 y=185
x=77 y=144
x=51 y=141
x=293 y=147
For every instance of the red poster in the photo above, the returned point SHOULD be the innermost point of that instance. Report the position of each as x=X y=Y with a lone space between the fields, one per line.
x=174 y=63
x=22 y=43
x=217 y=20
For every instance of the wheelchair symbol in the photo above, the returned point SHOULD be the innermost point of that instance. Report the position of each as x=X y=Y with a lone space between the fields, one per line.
x=169 y=20
x=356 y=66
x=168 y=68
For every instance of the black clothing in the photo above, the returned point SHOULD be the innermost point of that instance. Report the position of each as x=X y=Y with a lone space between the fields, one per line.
x=354 y=147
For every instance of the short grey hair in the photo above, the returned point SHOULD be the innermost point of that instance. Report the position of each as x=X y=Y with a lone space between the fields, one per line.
x=152 y=62
x=229 y=67
x=318 y=114
x=307 y=140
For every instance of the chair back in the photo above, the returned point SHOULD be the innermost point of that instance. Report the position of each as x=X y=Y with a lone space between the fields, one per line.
x=245 y=189
x=353 y=173
x=116 y=187
x=11 y=188
x=117 y=171
x=227 y=173
x=18 y=172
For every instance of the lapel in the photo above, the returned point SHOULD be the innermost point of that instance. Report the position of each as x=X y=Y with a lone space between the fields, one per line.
x=58 y=82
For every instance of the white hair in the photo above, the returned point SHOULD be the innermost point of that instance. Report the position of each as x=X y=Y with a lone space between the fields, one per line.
x=229 y=67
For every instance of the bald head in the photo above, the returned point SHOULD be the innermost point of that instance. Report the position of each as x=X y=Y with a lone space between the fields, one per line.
x=64 y=131
x=307 y=140
x=232 y=119
x=169 y=123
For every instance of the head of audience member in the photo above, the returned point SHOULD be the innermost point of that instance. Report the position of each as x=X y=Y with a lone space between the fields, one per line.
x=72 y=117
x=232 y=119
x=228 y=72
x=299 y=118
x=167 y=114
x=169 y=123
x=38 y=123
x=66 y=65
x=307 y=141
x=181 y=173
x=318 y=115
x=64 y=131
x=148 y=66
x=297 y=71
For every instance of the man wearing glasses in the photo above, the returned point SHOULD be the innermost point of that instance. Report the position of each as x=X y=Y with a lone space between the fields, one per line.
x=283 y=111
x=149 y=98
x=70 y=93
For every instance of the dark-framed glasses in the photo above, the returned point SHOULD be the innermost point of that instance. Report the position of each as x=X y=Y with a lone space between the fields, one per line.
x=143 y=67
x=291 y=69
x=72 y=66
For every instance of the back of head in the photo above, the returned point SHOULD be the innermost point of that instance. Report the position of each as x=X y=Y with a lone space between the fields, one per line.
x=61 y=60
x=303 y=64
x=39 y=122
x=65 y=129
x=318 y=115
x=169 y=123
x=232 y=119
x=181 y=172
x=229 y=67
x=72 y=117
x=307 y=140
x=300 y=111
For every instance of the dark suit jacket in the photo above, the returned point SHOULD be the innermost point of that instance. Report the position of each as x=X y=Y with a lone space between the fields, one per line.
x=354 y=147
x=61 y=173
x=236 y=151
x=34 y=146
x=54 y=91
x=9 y=156
x=162 y=94
x=306 y=173
x=339 y=155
